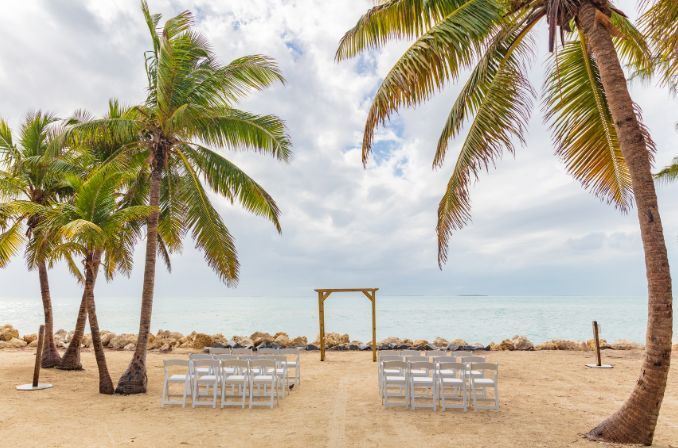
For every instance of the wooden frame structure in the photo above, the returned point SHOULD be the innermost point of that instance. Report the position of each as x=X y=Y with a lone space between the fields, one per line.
x=323 y=294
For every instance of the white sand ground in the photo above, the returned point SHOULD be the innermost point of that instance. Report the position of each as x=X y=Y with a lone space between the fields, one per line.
x=547 y=398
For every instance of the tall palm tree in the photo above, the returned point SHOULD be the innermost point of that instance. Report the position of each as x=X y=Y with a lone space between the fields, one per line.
x=31 y=169
x=93 y=150
x=595 y=124
x=98 y=226
x=189 y=108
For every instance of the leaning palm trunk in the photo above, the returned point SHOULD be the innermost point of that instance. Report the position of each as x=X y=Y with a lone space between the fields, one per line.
x=635 y=421
x=71 y=359
x=105 y=382
x=50 y=354
x=134 y=380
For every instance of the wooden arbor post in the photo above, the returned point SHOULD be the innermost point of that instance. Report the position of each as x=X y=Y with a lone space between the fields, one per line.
x=370 y=293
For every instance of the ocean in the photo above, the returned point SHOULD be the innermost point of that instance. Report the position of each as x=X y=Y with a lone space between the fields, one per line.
x=474 y=318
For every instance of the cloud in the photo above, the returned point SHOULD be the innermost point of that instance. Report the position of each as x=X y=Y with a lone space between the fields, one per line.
x=534 y=230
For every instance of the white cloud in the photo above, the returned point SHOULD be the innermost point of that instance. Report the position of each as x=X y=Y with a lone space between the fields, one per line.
x=535 y=230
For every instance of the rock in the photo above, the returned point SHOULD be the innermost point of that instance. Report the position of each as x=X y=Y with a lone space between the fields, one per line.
x=220 y=339
x=364 y=347
x=8 y=332
x=440 y=342
x=259 y=338
x=121 y=341
x=242 y=341
x=16 y=343
x=355 y=345
x=4 y=345
x=30 y=338
x=166 y=347
x=311 y=347
x=458 y=342
x=129 y=347
x=299 y=341
x=106 y=337
x=623 y=344
x=281 y=339
x=521 y=343
x=333 y=339
x=420 y=344
x=86 y=341
x=201 y=340
x=391 y=340
x=561 y=344
x=33 y=343
x=61 y=333
x=591 y=344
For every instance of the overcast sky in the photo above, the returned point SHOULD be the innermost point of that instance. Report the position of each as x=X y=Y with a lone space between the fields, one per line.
x=534 y=231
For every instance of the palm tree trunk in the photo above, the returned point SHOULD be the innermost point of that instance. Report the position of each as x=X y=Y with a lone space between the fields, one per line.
x=635 y=421
x=134 y=380
x=71 y=359
x=50 y=354
x=92 y=266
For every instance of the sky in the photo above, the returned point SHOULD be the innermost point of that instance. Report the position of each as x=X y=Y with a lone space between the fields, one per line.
x=535 y=231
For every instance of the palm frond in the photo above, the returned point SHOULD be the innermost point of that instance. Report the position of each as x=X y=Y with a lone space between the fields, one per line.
x=10 y=243
x=583 y=131
x=227 y=179
x=395 y=19
x=500 y=96
x=632 y=47
x=659 y=23
x=207 y=228
x=669 y=173
x=432 y=60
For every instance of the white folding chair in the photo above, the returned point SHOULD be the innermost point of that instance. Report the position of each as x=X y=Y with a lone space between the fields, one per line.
x=294 y=363
x=395 y=384
x=263 y=375
x=487 y=380
x=452 y=386
x=411 y=353
x=194 y=356
x=205 y=375
x=234 y=375
x=467 y=360
x=423 y=382
x=281 y=375
x=380 y=368
x=182 y=377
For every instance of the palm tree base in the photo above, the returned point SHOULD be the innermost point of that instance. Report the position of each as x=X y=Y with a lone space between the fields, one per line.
x=50 y=357
x=134 y=380
x=618 y=429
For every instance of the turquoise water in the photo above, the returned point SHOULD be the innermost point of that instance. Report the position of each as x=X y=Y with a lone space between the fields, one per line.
x=473 y=318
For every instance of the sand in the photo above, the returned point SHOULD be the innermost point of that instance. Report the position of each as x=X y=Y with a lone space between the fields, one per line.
x=547 y=399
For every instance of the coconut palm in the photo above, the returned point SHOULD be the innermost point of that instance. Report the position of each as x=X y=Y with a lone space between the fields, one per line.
x=98 y=226
x=596 y=126
x=190 y=109
x=93 y=151
x=669 y=173
x=32 y=168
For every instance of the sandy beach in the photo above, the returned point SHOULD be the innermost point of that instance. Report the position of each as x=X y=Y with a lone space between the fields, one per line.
x=547 y=399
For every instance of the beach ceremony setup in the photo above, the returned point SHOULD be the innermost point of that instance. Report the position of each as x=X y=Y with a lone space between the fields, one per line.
x=356 y=223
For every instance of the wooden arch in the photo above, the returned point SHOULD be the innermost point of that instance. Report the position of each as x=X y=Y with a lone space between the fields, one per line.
x=323 y=294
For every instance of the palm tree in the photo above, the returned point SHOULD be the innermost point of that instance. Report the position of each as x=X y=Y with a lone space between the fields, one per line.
x=93 y=151
x=669 y=173
x=596 y=126
x=32 y=170
x=190 y=106
x=659 y=23
x=98 y=226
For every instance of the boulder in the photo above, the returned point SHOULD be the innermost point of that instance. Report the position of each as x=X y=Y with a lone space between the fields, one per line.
x=166 y=347
x=241 y=341
x=281 y=339
x=440 y=342
x=623 y=344
x=299 y=341
x=201 y=340
x=355 y=345
x=219 y=339
x=34 y=343
x=30 y=338
x=332 y=339
x=311 y=347
x=259 y=338
x=561 y=344
x=106 y=337
x=591 y=344
x=86 y=341
x=365 y=347
x=8 y=332
x=420 y=344
x=16 y=343
x=391 y=340
x=4 y=345
x=521 y=343
x=130 y=347
x=122 y=341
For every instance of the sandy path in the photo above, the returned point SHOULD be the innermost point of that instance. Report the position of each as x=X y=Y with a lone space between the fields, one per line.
x=548 y=398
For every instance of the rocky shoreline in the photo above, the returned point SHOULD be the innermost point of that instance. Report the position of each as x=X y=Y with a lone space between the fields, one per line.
x=166 y=341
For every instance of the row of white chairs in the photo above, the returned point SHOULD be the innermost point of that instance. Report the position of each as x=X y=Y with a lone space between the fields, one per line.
x=424 y=384
x=293 y=361
x=422 y=353
x=259 y=380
